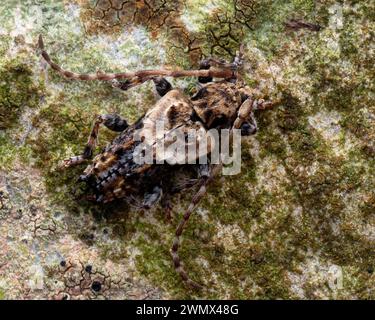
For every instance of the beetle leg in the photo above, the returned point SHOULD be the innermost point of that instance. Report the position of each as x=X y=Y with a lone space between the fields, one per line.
x=249 y=127
x=204 y=171
x=122 y=85
x=245 y=118
x=162 y=85
x=187 y=184
x=150 y=199
x=208 y=63
x=221 y=63
x=128 y=83
x=112 y=121
x=73 y=161
x=167 y=207
x=205 y=65
x=261 y=104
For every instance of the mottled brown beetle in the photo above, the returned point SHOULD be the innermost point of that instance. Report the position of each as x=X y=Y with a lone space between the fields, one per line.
x=217 y=104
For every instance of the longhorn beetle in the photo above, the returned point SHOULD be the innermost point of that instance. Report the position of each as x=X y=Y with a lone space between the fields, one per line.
x=113 y=173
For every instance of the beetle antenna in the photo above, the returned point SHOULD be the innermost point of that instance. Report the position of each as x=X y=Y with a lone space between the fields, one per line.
x=177 y=242
x=137 y=77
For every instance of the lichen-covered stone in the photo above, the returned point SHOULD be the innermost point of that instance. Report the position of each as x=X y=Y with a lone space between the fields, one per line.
x=298 y=222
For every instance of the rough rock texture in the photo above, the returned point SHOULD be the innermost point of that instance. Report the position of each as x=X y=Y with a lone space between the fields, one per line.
x=298 y=222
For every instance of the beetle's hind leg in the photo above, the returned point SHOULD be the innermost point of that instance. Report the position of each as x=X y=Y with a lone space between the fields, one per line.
x=112 y=121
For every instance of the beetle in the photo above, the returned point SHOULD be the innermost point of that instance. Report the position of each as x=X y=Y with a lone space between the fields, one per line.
x=224 y=103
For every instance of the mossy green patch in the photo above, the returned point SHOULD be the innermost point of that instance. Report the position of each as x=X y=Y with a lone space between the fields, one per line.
x=7 y=152
x=17 y=90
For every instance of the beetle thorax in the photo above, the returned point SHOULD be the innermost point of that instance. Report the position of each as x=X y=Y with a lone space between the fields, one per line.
x=217 y=103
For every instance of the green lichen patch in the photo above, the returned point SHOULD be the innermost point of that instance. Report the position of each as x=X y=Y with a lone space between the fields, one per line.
x=17 y=90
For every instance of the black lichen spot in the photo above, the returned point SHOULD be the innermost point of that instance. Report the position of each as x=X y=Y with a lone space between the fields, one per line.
x=88 y=268
x=96 y=286
x=57 y=214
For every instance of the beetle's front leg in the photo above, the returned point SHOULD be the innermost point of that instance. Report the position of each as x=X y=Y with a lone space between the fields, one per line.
x=249 y=127
x=234 y=66
x=162 y=85
x=246 y=119
x=112 y=121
